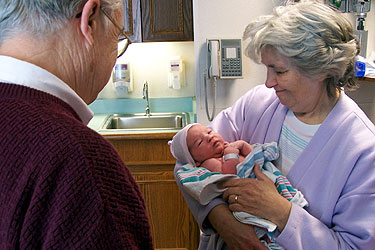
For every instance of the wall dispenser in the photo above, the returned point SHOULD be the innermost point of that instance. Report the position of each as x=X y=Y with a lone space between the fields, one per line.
x=176 y=72
x=122 y=79
x=360 y=9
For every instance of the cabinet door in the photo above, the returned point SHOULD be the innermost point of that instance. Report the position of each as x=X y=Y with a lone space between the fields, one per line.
x=167 y=20
x=172 y=224
x=132 y=19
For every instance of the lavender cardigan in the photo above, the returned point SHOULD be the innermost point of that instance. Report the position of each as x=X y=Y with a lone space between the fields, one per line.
x=335 y=172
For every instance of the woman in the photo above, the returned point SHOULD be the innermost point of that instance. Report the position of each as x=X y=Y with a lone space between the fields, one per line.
x=327 y=144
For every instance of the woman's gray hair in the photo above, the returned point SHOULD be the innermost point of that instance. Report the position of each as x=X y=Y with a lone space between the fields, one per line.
x=316 y=38
x=40 y=17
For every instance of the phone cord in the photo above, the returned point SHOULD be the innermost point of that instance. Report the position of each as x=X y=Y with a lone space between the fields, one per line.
x=210 y=118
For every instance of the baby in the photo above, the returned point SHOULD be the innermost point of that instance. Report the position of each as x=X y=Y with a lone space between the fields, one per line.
x=210 y=151
x=209 y=159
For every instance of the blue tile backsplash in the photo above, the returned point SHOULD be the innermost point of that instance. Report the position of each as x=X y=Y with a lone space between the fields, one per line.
x=109 y=106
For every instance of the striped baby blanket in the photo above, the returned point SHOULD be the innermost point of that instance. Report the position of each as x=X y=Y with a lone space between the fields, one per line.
x=202 y=184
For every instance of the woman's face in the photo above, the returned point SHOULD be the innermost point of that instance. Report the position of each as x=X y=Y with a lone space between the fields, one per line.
x=299 y=93
x=203 y=143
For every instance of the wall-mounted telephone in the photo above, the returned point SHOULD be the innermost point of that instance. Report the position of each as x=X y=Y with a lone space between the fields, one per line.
x=224 y=61
x=224 y=58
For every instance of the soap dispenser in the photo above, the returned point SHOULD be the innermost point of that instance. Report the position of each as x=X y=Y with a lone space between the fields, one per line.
x=122 y=79
x=176 y=73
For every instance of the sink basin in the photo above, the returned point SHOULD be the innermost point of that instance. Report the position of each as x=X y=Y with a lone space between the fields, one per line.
x=140 y=121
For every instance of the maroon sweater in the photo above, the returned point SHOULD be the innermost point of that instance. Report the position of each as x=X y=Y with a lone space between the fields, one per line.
x=62 y=185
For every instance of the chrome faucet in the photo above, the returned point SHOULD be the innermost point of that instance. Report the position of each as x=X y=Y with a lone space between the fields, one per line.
x=145 y=96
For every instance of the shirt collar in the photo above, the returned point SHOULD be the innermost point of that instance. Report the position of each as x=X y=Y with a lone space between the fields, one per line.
x=19 y=72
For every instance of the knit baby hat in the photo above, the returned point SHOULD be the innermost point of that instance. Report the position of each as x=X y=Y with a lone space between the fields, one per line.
x=179 y=147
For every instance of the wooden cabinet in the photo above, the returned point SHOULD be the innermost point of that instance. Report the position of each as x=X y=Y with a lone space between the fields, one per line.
x=167 y=20
x=158 y=20
x=132 y=19
x=151 y=163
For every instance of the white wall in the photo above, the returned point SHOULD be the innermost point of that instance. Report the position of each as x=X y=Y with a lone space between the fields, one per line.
x=225 y=19
x=149 y=61
x=212 y=19
x=228 y=19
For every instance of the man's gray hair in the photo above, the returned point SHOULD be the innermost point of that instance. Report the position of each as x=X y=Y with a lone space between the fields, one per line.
x=40 y=17
x=317 y=39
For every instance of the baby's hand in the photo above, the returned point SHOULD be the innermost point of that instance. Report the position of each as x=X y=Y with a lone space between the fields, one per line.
x=237 y=144
x=243 y=147
x=230 y=150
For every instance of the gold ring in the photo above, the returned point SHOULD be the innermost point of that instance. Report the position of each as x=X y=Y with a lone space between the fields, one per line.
x=235 y=198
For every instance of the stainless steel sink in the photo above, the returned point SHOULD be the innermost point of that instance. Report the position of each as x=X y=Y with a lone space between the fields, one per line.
x=140 y=121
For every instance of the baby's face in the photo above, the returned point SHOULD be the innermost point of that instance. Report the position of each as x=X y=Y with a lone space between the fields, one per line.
x=203 y=143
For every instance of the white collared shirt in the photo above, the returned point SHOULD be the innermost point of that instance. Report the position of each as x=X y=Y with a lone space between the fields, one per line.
x=23 y=73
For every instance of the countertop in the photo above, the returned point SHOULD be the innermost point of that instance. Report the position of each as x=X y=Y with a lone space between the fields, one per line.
x=366 y=79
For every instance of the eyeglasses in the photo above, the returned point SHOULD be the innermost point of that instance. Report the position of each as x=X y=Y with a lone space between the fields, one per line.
x=123 y=40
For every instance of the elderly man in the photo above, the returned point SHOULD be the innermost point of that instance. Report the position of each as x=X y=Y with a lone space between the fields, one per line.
x=62 y=185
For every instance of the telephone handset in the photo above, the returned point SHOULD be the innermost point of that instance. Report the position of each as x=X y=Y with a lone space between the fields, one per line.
x=224 y=61
x=213 y=58
x=224 y=58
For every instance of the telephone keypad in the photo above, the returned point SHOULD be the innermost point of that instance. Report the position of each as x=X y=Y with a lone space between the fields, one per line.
x=231 y=67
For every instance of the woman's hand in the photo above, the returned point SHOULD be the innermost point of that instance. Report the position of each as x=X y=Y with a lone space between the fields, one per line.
x=236 y=235
x=258 y=197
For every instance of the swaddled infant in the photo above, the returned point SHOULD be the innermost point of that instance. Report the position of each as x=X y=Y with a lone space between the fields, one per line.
x=209 y=150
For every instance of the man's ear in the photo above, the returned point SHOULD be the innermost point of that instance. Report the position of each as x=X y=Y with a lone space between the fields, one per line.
x=90 y=9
